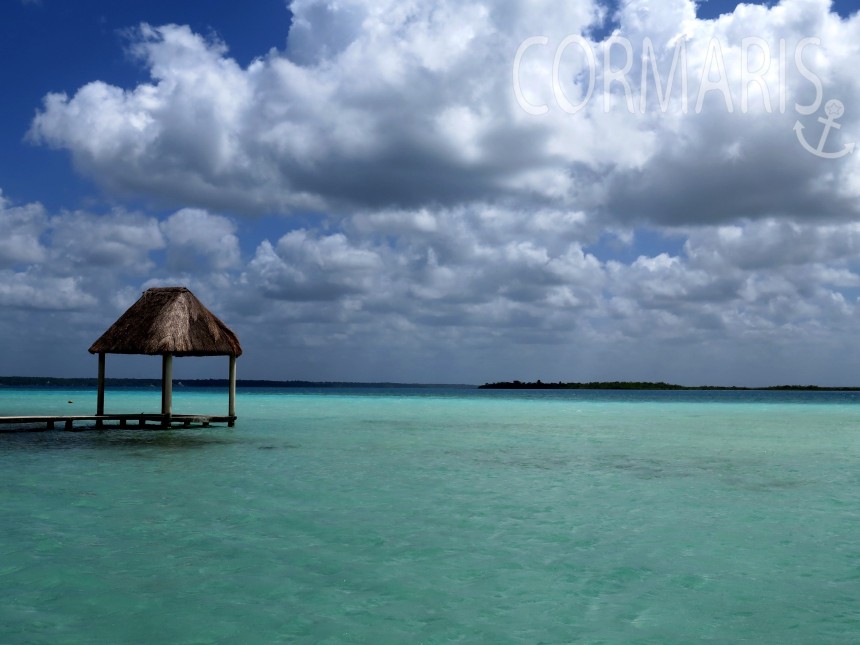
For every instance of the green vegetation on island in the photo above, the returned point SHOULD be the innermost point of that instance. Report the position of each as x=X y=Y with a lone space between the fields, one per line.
x=647 y=385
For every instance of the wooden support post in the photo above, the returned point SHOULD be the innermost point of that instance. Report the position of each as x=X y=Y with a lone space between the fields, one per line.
x=100 y=398
x=69 y=424
x=167 y=388
x=51 y=424
x=231 y=407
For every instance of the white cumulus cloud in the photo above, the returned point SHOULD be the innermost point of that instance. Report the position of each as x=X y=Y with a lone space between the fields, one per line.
x=448 y=222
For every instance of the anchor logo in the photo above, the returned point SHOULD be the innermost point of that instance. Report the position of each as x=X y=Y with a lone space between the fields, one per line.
x=834 y=110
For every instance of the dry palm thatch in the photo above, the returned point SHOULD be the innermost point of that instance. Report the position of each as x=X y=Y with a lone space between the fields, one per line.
x=168 y=320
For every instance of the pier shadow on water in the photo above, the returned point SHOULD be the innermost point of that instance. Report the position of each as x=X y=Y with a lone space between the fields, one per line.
x=111 y=440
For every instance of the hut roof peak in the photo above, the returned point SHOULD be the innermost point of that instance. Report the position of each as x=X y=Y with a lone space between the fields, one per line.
x=168 y=320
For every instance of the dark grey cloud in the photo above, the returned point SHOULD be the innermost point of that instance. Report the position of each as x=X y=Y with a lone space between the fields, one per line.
x=732 y=168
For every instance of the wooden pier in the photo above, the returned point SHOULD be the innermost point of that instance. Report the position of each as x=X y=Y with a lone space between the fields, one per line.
x=105 y=421
x=166 y=322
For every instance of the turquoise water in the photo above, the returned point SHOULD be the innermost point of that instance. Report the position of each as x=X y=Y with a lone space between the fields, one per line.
x=449 y=516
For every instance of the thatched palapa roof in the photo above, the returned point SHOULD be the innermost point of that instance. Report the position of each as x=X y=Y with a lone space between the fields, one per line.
x=168 y=320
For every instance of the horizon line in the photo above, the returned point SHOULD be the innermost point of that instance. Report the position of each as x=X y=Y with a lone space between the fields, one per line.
x=6 y=381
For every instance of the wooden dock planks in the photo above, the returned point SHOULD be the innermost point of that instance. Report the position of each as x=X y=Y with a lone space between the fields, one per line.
x=103 y=421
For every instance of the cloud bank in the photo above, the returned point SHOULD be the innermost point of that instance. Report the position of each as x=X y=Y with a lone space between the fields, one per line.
x=455 y=235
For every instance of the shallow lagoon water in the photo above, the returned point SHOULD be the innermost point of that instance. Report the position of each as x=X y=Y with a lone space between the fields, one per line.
x=436 y=516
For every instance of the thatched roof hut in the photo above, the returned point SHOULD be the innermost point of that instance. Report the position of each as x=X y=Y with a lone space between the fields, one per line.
x=168 y=322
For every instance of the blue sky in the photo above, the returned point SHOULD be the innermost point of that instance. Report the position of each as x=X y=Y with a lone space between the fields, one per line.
x=354 y=188
x=62 y=46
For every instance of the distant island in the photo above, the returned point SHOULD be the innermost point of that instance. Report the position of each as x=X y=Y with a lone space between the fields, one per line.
x=647 y=385
x=51 y=381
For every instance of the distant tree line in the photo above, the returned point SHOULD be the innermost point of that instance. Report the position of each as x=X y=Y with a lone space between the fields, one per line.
x=648 y=385
x=49 y=381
